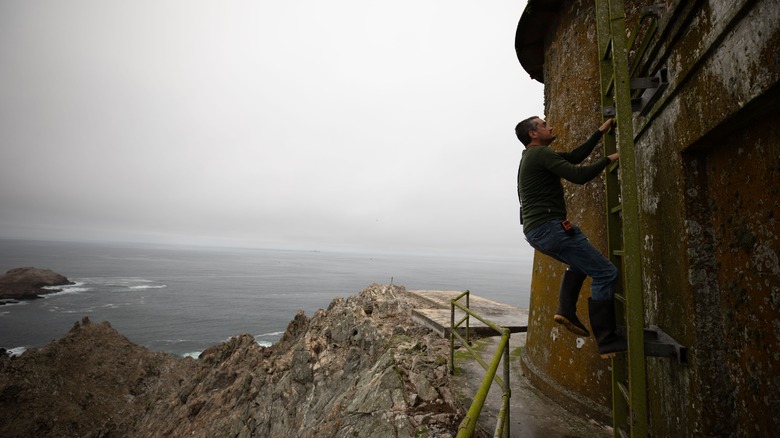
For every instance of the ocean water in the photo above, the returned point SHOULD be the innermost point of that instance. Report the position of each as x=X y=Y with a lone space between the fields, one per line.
x=182 y=300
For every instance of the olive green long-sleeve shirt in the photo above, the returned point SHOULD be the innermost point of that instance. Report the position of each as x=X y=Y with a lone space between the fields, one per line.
x=539 y=180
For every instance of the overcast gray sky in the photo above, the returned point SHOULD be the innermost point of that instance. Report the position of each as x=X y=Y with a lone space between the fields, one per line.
x=352 y=124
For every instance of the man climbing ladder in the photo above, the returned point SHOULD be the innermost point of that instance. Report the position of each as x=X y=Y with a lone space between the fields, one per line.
x=543 y=215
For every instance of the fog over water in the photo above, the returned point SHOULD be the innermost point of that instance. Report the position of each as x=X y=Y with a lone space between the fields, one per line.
x=379 y=126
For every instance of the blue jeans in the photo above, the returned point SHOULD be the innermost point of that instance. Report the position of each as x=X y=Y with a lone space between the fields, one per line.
x=577 y=252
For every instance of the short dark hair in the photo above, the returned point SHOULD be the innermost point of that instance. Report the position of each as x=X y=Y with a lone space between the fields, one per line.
x=522 y=128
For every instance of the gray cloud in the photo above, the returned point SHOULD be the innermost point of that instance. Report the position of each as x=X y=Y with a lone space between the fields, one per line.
x=364 y=124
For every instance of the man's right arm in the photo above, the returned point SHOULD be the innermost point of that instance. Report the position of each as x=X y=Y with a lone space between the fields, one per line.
x=561 y=167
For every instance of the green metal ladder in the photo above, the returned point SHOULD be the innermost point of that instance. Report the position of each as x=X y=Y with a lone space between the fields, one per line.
x=629 y=398
x=622 y=94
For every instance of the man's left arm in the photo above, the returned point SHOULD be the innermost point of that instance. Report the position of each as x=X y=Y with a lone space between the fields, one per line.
x=581 y=152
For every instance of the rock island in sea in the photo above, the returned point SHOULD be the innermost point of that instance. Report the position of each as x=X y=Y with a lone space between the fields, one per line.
x=29 y=283
x=359 y=368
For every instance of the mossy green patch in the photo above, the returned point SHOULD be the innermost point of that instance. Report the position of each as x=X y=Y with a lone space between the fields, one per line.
x=421 y=433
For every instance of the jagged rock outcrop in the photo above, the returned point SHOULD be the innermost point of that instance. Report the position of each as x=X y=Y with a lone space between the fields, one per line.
x=359 y=368
x=83 y=383
x=28 y=283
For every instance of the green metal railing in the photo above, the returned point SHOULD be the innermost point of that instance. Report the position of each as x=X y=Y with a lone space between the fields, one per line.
x=469 y=423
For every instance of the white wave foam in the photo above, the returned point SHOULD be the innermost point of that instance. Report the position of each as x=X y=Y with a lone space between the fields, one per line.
x=260 y=342
x=9 y=303
x=124 y=281
x=270 y=334
x=14 y=352
x=149 y=286
x=78 y=311
x=67 y=289
x=193 y=354
x=264 y=342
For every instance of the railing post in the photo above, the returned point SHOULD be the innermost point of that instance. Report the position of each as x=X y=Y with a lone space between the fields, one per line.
x=469 y=423
x=468 y=319
x=507 y=388
x=502 y=425
x=452 y=337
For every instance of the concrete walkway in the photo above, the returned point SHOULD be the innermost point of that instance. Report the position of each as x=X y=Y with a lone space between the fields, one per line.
x=532 y=414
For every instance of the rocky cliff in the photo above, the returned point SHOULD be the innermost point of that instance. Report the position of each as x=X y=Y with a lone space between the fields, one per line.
x=28 y=283
x=359 y=368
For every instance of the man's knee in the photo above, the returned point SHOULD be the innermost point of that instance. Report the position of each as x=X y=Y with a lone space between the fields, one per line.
x=605 y=284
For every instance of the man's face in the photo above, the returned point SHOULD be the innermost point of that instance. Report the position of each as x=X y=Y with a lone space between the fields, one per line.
x=543 y=132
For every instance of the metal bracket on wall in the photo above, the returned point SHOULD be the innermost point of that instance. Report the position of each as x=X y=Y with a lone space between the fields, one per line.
x=654 y=87
x=660 y=344
x=654 y=10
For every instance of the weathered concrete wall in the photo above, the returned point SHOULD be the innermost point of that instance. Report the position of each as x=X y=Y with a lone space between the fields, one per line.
x=709 y=162
x=566 y=365
x=708 y=158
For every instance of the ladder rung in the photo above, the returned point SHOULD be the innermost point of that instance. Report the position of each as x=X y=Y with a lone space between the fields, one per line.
x=616 y=209
x=613 y=167
x=608 y=51
x=619 y=253
x=624 y=392
x=610 y=88
x=622 y=433
x=620 y=297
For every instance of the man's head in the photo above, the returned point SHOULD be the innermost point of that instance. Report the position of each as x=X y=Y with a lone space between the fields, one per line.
x=534 y=131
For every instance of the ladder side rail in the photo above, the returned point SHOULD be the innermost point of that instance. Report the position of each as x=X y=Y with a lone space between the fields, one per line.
x=632 y=265
x=647 y=26
x=620 y=408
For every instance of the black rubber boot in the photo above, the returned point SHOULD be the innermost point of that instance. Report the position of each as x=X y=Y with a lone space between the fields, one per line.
x=602 y=321
x=567 y=303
